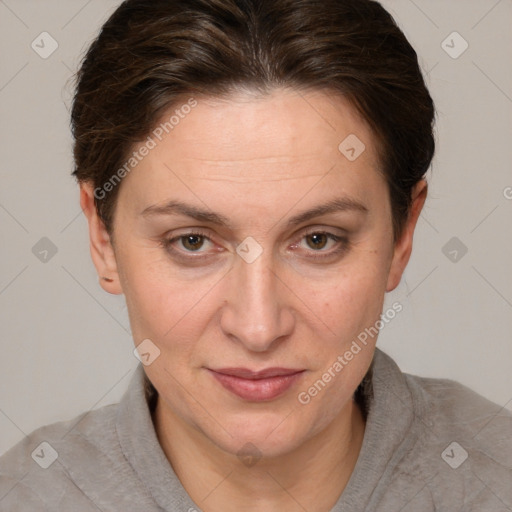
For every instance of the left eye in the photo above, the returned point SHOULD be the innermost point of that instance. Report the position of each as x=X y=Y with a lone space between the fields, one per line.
x=192 y=242
x=318 y=241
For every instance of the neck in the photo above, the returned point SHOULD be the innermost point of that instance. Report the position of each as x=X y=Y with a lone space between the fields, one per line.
x=311 y=477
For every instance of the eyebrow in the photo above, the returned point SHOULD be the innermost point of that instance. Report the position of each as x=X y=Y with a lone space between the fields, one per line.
x=173 y=207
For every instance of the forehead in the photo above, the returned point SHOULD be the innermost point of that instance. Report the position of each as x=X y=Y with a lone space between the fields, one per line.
x=285 y=137
x=246 y=126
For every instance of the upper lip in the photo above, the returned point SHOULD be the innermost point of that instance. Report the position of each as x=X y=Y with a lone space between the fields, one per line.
x=245 y=373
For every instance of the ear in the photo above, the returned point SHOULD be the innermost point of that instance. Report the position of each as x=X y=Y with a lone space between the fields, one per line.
x=403 y=247
x=102 y=250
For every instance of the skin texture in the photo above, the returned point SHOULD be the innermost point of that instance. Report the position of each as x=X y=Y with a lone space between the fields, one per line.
x=258 y=161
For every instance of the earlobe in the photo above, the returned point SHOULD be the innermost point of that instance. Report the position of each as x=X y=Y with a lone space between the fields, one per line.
x=403 y=247
x=102 y=250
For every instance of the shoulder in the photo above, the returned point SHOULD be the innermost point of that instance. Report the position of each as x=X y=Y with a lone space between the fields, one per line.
x=465 y=441
x=449 y=446
x=43 y=460
x=444 y=405
x=457 y=409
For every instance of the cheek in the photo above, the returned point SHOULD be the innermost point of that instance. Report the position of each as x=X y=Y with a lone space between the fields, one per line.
x=158 y=296
x=351 y=300
x=152 y=307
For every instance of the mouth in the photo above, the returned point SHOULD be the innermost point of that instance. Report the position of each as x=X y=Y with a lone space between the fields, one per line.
x=257 y=386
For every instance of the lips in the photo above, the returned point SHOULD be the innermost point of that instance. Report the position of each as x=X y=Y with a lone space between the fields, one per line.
x=244 y=373
x=257 y=386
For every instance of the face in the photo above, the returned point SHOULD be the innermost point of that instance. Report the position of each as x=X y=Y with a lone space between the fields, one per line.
x=247 y=239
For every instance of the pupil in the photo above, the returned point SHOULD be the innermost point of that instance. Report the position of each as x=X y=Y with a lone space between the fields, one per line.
x=318 y=237
x=193 y=241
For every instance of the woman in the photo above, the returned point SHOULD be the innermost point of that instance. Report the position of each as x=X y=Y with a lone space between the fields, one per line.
x=252 y=173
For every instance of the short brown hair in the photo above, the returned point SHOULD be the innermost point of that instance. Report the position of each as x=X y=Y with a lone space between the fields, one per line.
x=150 y=53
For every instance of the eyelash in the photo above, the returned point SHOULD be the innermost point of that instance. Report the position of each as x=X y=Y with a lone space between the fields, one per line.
x=166 y=243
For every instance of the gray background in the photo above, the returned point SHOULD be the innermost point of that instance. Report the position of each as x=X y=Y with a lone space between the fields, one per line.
x=66 y=345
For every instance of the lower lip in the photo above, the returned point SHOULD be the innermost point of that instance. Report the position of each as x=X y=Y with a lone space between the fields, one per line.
x=257 y=390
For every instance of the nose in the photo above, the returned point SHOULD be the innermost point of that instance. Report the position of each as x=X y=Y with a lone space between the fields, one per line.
x=257 y=311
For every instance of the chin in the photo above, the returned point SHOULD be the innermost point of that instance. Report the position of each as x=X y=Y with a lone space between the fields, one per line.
x=271 y=435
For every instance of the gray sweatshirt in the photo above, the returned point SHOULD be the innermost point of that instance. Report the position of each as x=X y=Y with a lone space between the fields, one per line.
x=429 y=445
